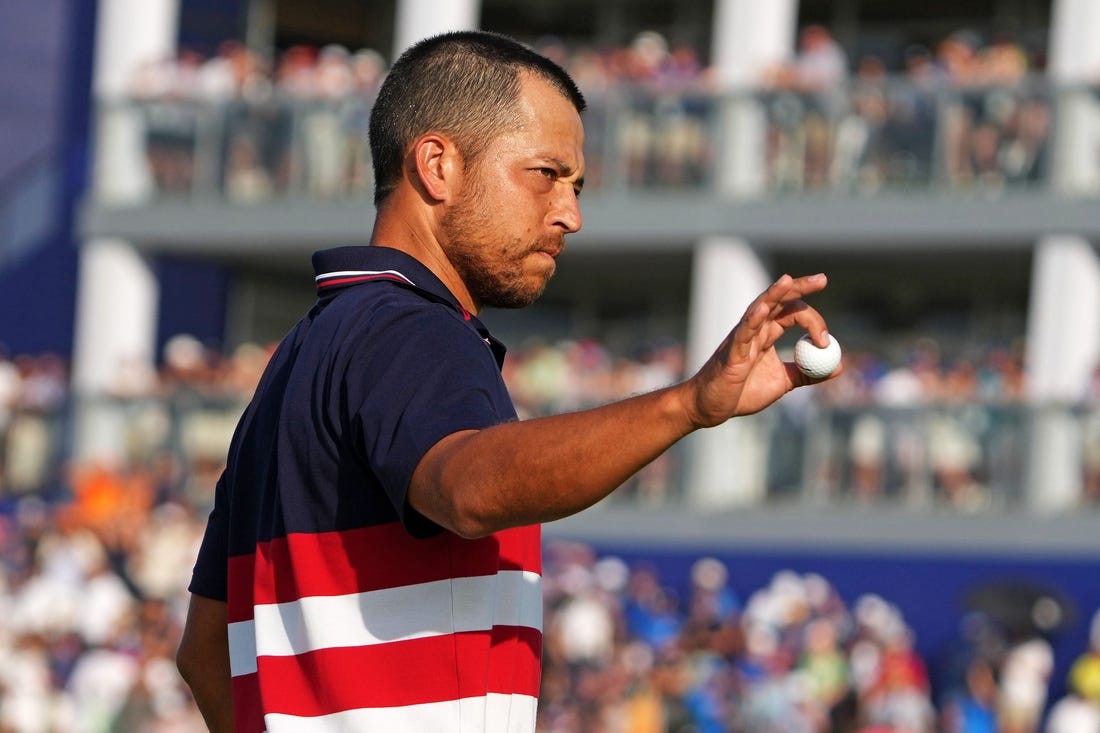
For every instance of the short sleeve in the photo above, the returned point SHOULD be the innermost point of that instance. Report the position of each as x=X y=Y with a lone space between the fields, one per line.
x=431 y=375
x=210 y=577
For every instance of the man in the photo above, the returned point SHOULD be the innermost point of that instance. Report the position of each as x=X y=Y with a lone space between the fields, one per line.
x=374 y=544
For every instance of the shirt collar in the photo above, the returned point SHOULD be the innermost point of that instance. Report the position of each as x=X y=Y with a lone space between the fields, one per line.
x=343 y=267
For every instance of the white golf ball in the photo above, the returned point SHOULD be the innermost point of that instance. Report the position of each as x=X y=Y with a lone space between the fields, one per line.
x=814 y=361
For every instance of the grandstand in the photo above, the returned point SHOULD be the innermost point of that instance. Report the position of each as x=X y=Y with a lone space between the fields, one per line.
x=177 y=161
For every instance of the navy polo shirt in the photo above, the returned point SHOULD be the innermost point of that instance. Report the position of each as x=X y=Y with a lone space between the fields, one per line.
x=385 y=364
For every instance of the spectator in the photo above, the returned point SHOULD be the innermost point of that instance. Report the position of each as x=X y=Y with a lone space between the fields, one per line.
x=975 y=710
x=819 y=63
x=818 y=70
x=324 y=127
x=861 y=135
x=1024 y=681
x=1084 y=675
x=165 y=90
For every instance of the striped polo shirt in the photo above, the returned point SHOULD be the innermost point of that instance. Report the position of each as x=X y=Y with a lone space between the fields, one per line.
x=349 y=611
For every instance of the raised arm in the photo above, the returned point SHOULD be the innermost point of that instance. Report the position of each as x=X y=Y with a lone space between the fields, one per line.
x=479 y=481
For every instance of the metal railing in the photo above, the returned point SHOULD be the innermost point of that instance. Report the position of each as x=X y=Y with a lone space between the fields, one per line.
x=862 y=138
x=967 y=457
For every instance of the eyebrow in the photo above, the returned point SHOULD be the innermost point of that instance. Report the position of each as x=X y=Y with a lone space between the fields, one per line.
x=567 y=170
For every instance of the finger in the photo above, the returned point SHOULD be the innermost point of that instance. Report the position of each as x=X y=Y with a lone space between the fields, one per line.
x=788 y=288
x=777 y=291
x=798 y=313
x=771 y=304
x=798 y=379
x=757 y=315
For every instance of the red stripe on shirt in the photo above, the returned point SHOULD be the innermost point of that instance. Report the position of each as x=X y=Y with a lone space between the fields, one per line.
x=248 y=714
x=374 y=558
x=358 y=279
x=242 y=568
x=409 y=672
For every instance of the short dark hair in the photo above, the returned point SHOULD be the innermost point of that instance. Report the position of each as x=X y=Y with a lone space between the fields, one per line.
x=462 y=83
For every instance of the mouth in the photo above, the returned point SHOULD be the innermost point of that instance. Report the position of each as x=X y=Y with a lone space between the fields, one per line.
x=551 y=250
x=548 y=258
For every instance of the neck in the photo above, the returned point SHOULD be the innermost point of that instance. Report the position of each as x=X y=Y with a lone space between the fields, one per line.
x=397 y=228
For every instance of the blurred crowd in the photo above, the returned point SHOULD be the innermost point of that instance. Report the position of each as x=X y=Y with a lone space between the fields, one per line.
x=93 y=597
x=966 y=112
x=95 y=556
x=546 y=377
x=923 y=427
x=91 y=609
x=625 y=652
x=95 y=559
x=929 y=427
x=251 y=126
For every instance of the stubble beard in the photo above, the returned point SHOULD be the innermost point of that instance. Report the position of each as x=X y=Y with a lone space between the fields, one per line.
x=493 y=282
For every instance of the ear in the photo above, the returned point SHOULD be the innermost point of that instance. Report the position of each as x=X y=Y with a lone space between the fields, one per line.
x=437 y=166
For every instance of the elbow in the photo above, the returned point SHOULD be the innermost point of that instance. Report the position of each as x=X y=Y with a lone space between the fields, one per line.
x=192 y=661
x=186 y=663
x=470 y=523
x=448 y=490
x=474 y=515
x=455 y=516
x=200 y=652
x=471 y=532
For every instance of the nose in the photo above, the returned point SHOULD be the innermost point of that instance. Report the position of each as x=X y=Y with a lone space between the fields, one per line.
x=566 y=214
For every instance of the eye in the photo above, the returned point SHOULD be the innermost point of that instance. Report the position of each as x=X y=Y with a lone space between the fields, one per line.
x=548 y=172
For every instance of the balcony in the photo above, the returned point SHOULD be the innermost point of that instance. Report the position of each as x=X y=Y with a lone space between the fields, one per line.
x=933 y=460
x=887 y=166
x=926 y=164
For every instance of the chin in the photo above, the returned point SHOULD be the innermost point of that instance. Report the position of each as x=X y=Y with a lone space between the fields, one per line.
x=513 y=301
x=517 y=297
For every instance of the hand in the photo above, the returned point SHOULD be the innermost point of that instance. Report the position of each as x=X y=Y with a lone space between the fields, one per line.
x=745 y=374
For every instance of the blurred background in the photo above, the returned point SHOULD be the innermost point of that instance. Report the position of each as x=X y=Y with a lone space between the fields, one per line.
x=912 y=547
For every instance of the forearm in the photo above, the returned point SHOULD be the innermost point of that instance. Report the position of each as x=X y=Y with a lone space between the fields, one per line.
x=203 y=662
x=544 y=469
x=477 y=482
x=214 y=701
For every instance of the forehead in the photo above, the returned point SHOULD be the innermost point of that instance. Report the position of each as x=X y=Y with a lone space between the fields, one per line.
x=548 y=119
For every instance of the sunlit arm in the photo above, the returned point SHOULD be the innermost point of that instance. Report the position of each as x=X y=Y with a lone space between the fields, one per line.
x=478 y=482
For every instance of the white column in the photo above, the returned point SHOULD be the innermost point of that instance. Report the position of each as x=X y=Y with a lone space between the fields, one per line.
x=116 y=313
x=128 y=34
x=1074 y=53
x=1074 y=65
x=1063 y=347
x=1063 y=341
x=750 y=37
x=1063 y=333
x=727 y=463
x=115 y=332
x=116 y=290
x=417 y=19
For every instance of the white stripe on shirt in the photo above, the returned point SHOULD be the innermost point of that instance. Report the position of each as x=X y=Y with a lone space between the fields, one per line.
x=495 y=712
x=509 y=598
x=360 y=273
